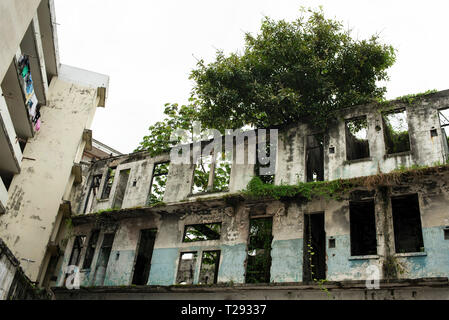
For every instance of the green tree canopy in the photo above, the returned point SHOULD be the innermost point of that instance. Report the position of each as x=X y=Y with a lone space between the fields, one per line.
x=290 y=71
x=176 y=117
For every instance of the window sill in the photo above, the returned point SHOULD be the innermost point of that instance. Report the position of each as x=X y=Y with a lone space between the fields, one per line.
x=206 y=193
x=367 y=257
x=399 y=154
x=358 y=160
x=410 y=254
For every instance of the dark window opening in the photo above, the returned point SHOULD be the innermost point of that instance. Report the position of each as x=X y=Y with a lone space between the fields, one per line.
x=144 y=255
x=158 y=182
x=444 y=123
x=407 y=224
x=93 y=190
x=357 y=146
x=269 y=169
x=331 y=243
x=209 y=267
x=314 y=252
x=108 y=183
x=103 y=258
x=121 y=188
x=363 y=228
x=92 y=245
x=202 y=232
x=186 y=269
x=396 y=133
x=258 y=262
x=315 y=158
x=446 y=234
x=78 y=245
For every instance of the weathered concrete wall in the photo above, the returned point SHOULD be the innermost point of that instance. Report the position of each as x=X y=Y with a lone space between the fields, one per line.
x=426 y=150
x=36 y=194
x=287 y=245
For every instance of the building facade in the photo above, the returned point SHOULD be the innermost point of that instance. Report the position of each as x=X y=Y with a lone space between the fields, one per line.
x=46 y=110
x=367 y=199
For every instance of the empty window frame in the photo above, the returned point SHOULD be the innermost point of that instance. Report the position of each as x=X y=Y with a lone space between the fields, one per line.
x=78 y=245
x=396 y=133
x=363 y=228
x=356 y=131
x=90 y=251
x=314 y=247
x=444 y=123
x=202 y=232
x=258 y=262
x=121 y=188
x=158 y=182
x=144 y=254
x=261 y=163
x=103 y=258
x=212 y=173
x=186 y=268
x=209 y=267
x=93 y=190
x=407 y=224
x=108 y=183
x=315 y=158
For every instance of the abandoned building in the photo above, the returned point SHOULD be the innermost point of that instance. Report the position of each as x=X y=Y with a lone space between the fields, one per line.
x=367 y=199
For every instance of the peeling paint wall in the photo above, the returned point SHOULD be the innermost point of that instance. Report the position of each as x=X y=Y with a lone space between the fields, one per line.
x=35 y=195
x=288 y=236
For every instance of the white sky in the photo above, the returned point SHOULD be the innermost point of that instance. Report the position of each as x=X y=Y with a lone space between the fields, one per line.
x=147 y=47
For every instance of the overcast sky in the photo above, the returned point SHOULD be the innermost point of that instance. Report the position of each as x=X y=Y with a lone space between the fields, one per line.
x=149 y=47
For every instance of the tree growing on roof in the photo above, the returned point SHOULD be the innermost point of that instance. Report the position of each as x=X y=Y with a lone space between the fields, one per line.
x=291 y=71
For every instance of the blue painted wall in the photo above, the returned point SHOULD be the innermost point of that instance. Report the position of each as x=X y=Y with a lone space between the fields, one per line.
x=163 y=266
x=286 y=260
x=232 y=267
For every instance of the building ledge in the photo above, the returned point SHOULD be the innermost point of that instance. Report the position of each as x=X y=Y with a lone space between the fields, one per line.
x=411 y=254
x=225 y=287
x=366 y=257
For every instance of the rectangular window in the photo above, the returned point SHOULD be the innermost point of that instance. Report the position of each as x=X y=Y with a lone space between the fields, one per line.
x=90 y=251
x=209 y=267
x=396 y=134
x=121 y=188
x=407 y=224
x=363 y=228
x=212 y=173
x=186 y=269
x=158 y=182
x=93 y=190
x=78 y=245
x=103 y=258
x=144 y=255
x=259 y=251
x=261 y=163
x=357 y=146
x=108 y=183
x=202 y=232
x=315 y=158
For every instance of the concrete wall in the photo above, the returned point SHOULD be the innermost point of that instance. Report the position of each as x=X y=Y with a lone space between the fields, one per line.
x=287 y=244
x=36 y=194
x=426 y=150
